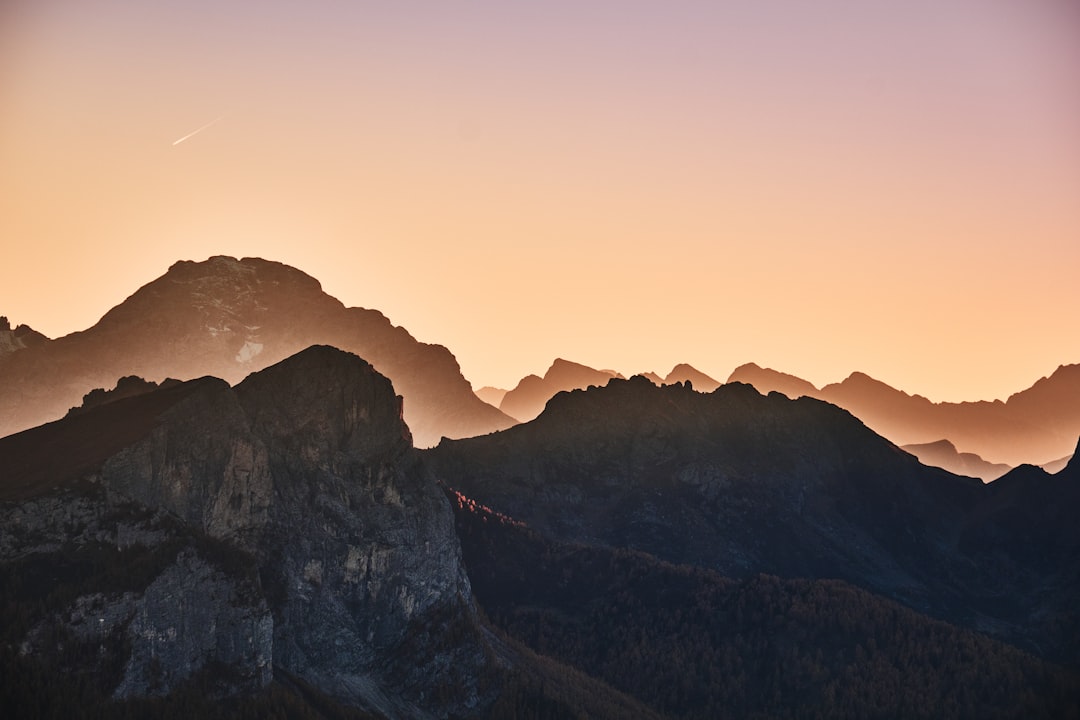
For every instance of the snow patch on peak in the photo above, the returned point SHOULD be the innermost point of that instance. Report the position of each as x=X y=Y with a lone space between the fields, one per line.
x=249 y=351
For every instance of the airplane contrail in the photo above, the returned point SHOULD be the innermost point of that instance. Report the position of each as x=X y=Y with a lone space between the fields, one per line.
x=198 y=130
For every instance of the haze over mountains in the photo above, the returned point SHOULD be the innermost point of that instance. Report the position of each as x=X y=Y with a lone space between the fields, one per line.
x=1037 y=425
x=671 y=547
x=227 y=318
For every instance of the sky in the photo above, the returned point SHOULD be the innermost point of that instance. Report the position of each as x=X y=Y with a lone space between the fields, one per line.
x=890 y=186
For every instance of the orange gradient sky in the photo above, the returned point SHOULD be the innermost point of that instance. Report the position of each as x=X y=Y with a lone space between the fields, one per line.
x=892 y=187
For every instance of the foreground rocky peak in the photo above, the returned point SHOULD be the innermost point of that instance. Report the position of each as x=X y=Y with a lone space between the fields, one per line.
x=326 y=546
x=228 y=317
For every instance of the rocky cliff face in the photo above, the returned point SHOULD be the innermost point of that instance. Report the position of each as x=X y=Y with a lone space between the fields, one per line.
x=282 y=524
x=227 y=318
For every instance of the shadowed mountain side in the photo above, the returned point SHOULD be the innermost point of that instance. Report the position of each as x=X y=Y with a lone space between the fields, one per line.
x=741 y=483
x=227 y=318
x=698 y=645
x=282 y=530
x=943 y=454
x=730 y=480
x=527 y=400
x=1039 y=424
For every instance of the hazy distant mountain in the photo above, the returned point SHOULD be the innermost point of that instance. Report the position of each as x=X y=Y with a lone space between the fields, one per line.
x=491 y=395
x=699 y=380
x=1039 y=424
x=767 y=381
x=227 y=318
x=527 y=400
x=22 y=337
x=740 y=483
x=943 y=454
x=1055 y=466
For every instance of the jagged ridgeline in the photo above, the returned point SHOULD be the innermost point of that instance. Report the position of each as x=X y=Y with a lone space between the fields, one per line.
x=227 y=318
x=270 y=547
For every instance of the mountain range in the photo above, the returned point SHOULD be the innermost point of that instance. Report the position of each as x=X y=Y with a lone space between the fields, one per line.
x=227 y=318
x=204 y=529
x=1037 y=425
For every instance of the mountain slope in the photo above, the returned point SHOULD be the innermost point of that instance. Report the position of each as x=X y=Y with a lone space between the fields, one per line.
x=740 y=483
x=697 y=645
x=227 y=318
x=1036 y=425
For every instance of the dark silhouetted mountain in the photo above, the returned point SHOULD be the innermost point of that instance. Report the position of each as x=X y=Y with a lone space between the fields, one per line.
x=652 y=377
x=227 y=318
x=685 y=373
x=491 y=395
x=527 y=400
x=740 y=483
x=22 y=337
x=213 y=540
x=767 y=381
x=696 y=645
x=943 y=454
x=1031 y=426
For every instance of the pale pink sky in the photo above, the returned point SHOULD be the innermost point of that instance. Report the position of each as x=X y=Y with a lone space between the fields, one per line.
x=892 y=187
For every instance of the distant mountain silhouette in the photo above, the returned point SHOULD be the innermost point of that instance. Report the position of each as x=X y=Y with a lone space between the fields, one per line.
x=943 y=454
x=739 y=483
x=527 y=400
x=1039 y=424
x=1055 y=466
x=491 y=395
x=23 y=336
x=227 y=318
x=699 y=380
x=767 y=381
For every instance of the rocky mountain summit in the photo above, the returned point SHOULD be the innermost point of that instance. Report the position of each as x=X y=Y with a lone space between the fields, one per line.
x=227 y=318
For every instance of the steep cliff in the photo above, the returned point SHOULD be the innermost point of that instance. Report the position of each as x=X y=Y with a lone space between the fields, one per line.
x=282 y=524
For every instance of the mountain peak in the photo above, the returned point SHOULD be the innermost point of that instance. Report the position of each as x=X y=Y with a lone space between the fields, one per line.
x=229 y=317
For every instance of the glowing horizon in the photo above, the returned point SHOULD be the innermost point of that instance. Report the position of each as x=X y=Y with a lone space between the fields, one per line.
x=823 y=190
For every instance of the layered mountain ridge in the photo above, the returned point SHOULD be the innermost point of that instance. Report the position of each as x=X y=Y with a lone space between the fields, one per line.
x=1036 y=425
x=227 y=318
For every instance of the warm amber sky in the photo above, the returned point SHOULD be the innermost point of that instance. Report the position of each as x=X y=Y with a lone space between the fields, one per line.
x=820 y=187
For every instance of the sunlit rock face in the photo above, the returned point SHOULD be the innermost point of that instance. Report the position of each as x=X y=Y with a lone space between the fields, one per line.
x=283 y=523
x=226 y=318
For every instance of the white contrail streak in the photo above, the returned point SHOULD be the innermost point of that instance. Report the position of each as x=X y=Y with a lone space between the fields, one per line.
x=198 y=130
